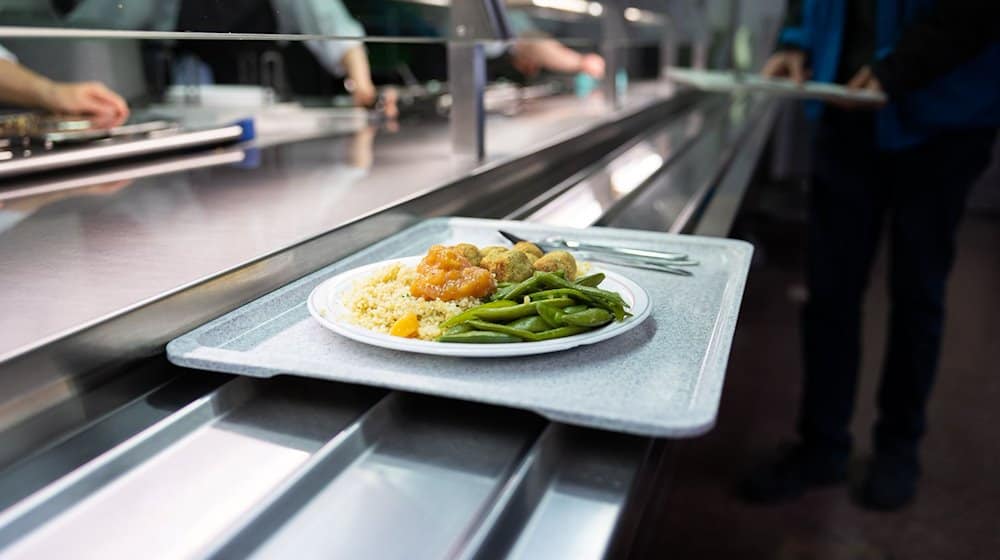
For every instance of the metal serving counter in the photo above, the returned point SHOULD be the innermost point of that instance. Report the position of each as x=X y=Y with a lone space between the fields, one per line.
x=108 y=451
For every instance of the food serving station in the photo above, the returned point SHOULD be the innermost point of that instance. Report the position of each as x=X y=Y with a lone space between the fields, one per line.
x=165 y=392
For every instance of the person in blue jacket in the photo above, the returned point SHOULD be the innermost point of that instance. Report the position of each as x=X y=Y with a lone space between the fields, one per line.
x=905 y=167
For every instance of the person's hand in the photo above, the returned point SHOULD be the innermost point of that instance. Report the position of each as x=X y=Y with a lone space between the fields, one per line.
x=863 y=80
x=390 y=103
x=525 y=60
x=363 y=93
x=787 y=64
x=92 y=99
x=592 y=65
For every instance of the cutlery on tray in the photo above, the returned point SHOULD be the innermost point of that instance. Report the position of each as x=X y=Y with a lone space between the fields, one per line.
x=662 y=261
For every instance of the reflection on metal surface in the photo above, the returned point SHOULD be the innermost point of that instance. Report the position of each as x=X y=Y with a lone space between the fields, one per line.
x=29 y=401
x=564 y=501
x=672 y=199
x=195 y=472
x=717 y=217
x=97 y=419
x=612 y=183
x=409 y=467
x=574 y=6
x=579 y=208
x=129 y=172
x=111 y=151
x=646 y=17
x=635 y=168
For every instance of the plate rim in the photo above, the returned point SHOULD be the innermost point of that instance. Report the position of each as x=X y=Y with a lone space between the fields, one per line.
x=464 y=350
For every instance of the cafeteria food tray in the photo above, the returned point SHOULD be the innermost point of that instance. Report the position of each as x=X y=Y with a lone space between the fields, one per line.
x=725 y=81
x=662 y=379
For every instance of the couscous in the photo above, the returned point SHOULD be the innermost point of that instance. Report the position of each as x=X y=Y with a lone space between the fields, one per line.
x=377 y=302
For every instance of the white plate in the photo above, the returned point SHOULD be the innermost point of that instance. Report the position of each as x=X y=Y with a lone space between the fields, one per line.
x=326 y=306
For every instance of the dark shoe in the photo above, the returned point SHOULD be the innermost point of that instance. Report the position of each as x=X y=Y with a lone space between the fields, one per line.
x=799 y=469
x=889 y=485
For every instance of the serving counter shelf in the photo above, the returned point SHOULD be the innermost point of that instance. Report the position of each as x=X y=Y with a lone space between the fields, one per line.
x=102 y=433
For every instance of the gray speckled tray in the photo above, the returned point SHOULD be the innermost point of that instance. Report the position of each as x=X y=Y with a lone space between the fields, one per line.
x=662 y=379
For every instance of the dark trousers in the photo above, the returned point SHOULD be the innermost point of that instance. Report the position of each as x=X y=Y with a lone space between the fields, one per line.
x=857 y=192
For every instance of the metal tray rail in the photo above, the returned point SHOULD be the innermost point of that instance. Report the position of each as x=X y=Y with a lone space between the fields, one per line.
x=195 y=472
x=571 y=478
x=406 y=465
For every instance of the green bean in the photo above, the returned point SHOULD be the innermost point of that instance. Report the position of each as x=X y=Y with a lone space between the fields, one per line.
x=551 y=315
x=458 y=329
x=555 y=308
x=549 y=281
x=517 y=290
x=592 y=280
x=599 y=294
x=593 y=317
x=601 y=298
x=503 y=329
x=479 y=337
x=505 y=314
x=533 y=323
x=556 y=281
x=558 y=333
x=527 y=335
x=471 y=313
x=560 y=292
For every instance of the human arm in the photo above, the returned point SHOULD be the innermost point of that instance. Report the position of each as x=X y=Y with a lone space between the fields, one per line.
x=339 y=57
x=533 y=54
x=21 y=87
x=359 y=76
x=789 y=59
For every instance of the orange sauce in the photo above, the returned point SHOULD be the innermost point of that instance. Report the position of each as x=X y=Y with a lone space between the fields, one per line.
x=447 y=275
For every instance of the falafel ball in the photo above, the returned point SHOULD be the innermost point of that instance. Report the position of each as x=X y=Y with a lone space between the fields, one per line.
x=557 y=261
x=483 y=251
x=508 y=266
x=528 y=248
x=470 y=252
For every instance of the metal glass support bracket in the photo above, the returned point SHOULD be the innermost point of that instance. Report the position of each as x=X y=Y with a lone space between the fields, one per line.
x=467 y=85
x=613 y=36
x=472 y=21
x=668 y=46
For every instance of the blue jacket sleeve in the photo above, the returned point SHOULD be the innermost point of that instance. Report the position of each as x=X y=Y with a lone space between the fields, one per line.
x=794 y=34
x=950 y=34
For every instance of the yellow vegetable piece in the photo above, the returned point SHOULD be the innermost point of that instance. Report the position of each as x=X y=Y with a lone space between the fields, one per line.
x=406 y=327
